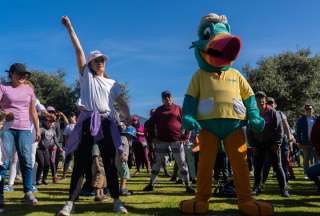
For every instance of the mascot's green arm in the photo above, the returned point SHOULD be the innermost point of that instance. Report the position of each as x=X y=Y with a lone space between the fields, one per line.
x=255 y=121
x=189 y=113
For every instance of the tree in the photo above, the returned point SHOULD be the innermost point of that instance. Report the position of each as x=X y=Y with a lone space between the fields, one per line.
x=292 y=78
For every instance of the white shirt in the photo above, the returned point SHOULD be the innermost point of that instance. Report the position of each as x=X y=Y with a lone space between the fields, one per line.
x=98 y=93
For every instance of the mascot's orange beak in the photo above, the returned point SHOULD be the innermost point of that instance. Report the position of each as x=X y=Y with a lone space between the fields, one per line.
x=222 y=50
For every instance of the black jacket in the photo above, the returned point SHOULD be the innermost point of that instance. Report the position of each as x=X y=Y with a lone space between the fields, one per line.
x=272 y=133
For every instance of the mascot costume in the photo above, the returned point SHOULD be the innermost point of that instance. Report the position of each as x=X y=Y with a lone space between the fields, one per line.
x=219 y=101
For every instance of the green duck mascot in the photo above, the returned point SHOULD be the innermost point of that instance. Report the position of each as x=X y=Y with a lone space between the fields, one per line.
x=220 y=102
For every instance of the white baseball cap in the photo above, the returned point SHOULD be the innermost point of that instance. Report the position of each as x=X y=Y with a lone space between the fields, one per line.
x=95 y=54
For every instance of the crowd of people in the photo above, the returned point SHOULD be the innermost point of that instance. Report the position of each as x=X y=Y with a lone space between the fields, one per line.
x=102 y=142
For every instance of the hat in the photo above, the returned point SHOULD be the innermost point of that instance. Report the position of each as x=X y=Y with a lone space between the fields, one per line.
x=166 y=93
x=130 y=131
x=18 y=68
x=95 y=54
x=261 y=94
x=51 y=109
x=135 y=118
x=307 y=106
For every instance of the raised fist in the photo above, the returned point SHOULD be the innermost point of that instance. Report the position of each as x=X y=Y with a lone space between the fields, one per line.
x=66 y=21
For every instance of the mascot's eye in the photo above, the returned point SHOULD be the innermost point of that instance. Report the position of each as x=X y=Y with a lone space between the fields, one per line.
x=206 y=34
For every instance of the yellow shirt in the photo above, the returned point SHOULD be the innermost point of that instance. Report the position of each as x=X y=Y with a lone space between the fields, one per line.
x=220 y=96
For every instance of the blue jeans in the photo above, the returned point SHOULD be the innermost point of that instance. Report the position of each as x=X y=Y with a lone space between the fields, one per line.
x=22 y=139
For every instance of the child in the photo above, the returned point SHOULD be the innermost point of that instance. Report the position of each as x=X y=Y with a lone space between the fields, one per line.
x=98 y=174
x=47 y=142
x=66 y=132
x=122 y=161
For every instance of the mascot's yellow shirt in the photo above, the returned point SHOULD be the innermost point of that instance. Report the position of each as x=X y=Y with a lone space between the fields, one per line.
x=220 y=96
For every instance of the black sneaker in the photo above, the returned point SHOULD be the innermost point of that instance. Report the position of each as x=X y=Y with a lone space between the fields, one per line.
x=149 y=187
x=190 y=190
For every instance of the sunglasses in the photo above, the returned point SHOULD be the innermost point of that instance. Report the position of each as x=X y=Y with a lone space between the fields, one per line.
x=22 y=75
x=99 y=60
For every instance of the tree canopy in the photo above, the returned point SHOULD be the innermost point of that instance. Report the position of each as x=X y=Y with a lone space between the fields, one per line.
x=292 y=78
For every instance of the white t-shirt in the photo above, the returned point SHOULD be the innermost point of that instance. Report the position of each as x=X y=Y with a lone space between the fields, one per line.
x=98 y=93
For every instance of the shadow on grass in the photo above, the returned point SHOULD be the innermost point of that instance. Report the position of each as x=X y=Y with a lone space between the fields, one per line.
x=81 y=208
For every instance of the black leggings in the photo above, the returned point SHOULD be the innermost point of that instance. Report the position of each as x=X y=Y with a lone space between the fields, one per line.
x=83 y=160
x=43 y=160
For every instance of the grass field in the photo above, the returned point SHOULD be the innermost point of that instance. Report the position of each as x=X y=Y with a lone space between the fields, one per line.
x=164 y=200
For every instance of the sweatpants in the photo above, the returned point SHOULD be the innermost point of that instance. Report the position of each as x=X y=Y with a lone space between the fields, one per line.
x=161 y=150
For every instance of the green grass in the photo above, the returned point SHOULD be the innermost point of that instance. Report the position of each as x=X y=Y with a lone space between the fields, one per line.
x=164 y=200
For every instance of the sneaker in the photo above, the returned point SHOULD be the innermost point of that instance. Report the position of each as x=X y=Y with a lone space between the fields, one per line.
x=173 y=179
x=306 y=177
x=119 y=208
x=67 y=209
x=45 y=182
x=285 y=193
x=64 y=177
x=55 y=180
x=30 y=199
x=256 y=191
x=149 y=187
x=125 y=192
x=136 y=173
x=8 y=188
x=19 y=177
x=34 y=189
x=190 y=190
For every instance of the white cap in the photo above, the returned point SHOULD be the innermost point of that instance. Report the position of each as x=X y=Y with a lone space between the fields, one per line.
x=95 y=54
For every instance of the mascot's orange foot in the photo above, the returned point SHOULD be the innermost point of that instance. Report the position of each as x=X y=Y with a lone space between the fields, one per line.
x=194 y=206
x=256 y=208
